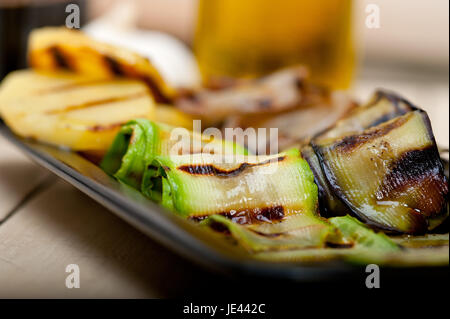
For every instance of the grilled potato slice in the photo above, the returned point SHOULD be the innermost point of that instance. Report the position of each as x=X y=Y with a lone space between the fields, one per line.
x=79 y=112
x=56 y=48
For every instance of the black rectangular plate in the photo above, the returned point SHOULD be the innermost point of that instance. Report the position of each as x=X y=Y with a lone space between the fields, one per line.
x=182 y=236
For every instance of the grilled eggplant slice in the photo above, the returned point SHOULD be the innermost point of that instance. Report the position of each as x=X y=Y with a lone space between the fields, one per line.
x=58 y=48
x=389 y=175
x=382 y=107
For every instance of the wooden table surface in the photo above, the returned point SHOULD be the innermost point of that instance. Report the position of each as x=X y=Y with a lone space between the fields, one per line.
x=46 y=224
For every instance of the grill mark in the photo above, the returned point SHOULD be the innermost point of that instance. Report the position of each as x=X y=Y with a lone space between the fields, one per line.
x=384 y=118
x=250 y=216
x=417 y=173
x=59 y=58
x=349 y=143
x=220 y=228
x=99 y=102
x=93 y=156
x=418 y=225
x=113 y=65
x=117 y=68
x=399 y=107
x=287 y=233
x=70 y=86
x=156 y=92
x=211 y=170
x=101 y=128
x=339 y=245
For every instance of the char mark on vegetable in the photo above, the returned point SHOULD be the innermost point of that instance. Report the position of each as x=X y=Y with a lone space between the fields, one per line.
x=101 y=128
x=159 y=96
x=113 y=65
x=417 y=169
x=119 y=69
x=59 y=58
x=251 y=215
x=349 y=143
x=211 y=170
x=70 y=86
x=98 y=102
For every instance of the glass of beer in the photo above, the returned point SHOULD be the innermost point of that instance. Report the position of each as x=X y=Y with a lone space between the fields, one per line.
x=250 y=38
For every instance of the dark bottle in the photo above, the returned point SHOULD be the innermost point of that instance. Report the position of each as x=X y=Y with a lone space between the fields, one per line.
x=19 y=17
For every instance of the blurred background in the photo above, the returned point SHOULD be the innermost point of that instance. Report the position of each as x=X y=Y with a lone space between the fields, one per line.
x=356 y=45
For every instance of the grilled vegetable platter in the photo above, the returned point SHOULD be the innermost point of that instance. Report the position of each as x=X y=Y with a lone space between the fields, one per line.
x=359 y=183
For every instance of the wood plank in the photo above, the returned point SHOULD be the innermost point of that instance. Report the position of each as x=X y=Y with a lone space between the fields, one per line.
x=18 y=177
x=62 y=226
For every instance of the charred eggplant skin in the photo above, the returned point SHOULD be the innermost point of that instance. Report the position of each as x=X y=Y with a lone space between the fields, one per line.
x=329 y=204
x=412 y=176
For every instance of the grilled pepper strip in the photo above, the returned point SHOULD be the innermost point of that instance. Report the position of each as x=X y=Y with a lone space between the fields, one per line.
x=390 y=175
x=140 y=140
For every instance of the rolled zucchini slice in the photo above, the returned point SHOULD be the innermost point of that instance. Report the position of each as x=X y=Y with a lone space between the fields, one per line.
x=390 y=175
x=314 y=235
x=139 y=141
x=265 y=202
x=270 y=202
x=356 y=232
x=303 y=240
x=248 y=190
x=360 y=240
